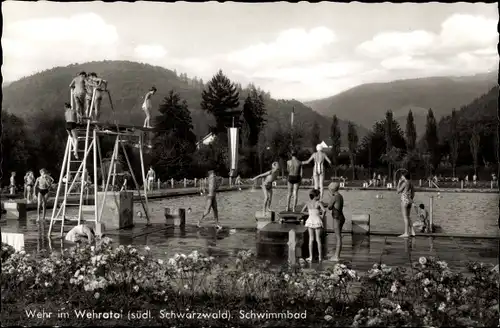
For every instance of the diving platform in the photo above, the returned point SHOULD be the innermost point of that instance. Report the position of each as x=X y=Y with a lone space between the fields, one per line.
x=292 y=217
x=117 y=127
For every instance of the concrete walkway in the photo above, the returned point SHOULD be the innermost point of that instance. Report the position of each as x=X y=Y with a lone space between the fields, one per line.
x=155 y=194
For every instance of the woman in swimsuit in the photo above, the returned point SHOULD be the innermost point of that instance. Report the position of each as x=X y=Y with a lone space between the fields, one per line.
x=318 y=173
x=267 y=185
x=405 y=188
x=314 y=222
x=43 y=183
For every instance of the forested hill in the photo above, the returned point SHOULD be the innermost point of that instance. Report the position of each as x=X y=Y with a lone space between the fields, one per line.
x=368 y=103
x=480 y=116
x=480 y=113
x=128 y=82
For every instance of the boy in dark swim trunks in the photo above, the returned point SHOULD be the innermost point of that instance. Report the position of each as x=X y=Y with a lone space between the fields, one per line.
x=336 y=205
x=211 y=200
x=267 y=185
x=70 y=116
x=294 y=168
x=42 y=187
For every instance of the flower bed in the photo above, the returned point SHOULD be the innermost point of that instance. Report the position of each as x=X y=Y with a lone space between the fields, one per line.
x=106 y=285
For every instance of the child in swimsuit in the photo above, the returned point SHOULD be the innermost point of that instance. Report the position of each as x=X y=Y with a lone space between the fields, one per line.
x=314 y=222
x=71 y=119
x=42 y=186
x=13 y=183
x=29 y=181
x=267 y=185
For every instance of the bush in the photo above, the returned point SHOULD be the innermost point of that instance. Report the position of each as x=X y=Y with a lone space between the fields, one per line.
x=124 y=280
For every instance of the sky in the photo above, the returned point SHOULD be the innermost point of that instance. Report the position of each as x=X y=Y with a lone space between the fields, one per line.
x=302 y=51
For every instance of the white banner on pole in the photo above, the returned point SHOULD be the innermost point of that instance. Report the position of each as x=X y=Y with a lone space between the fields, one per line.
x=233 y=149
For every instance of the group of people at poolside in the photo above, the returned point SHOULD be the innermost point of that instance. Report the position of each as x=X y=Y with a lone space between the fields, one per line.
x=87 y=91
x=35 y=188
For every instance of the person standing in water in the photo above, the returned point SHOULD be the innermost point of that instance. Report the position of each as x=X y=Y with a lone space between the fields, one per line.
x=42 y=186
x=71 y=119
x=147 y=106
x=78 y=87
x=336 y=205
x=314 y=222
x=319 y=171
x=405 y=188
x=151 y=176
x=211 y=200
x=267 y=185
x=294 y=168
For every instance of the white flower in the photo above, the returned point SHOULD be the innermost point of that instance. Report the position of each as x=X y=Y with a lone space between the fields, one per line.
x=160 y=261
x=136 y=288
x=394 y=287
x=422 y=260
x=328 y=317
x=442 y=264
x=147 y=248
x=426 y=282
x=96 y=295
x=442 y=306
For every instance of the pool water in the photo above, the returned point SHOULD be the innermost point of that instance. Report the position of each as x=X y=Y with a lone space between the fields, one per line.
x=455 y=213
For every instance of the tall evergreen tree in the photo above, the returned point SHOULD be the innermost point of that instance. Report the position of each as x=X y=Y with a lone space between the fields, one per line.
x=411 y=132
x=432 y=141
x=388 y=137
x=475 y=143
x=335 y=137
x=221 y=98
x=454 y=140
x=175 y=141
x=254 y=112
x=315 y=136
x=352 y=138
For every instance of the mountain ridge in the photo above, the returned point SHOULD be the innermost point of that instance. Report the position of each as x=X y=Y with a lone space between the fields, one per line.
x=440 y=93
x=128 y=82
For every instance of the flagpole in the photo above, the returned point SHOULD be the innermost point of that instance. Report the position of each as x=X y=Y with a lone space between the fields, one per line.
x=291 y=125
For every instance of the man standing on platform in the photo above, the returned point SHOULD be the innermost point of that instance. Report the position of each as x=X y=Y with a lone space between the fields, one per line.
x=336 y=205
x=78 y=87
x=294 y=168
x=100 y=86
x=147 y=106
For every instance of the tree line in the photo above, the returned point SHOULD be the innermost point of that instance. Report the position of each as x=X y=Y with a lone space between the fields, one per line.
x=176 y=153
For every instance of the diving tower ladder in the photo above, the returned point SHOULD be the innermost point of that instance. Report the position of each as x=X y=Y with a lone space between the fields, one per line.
x=74 y=180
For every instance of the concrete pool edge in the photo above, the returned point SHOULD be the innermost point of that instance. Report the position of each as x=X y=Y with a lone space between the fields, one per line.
x=154 y=195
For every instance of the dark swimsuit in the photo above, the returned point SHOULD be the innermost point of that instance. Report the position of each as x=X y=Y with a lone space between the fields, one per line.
x=268 y=186
x=294 y=179
x=43 y=191
x=70 y=126
x=337 y=215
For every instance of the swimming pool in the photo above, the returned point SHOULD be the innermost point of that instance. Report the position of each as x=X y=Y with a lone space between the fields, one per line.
x=456 y=213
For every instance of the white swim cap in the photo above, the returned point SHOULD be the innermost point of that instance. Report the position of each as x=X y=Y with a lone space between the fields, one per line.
x=319 y=147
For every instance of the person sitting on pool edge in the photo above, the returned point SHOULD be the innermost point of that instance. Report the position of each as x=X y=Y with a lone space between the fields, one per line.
x=422 y=224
